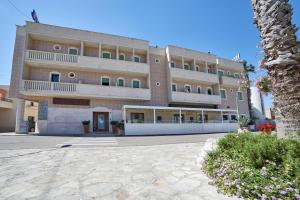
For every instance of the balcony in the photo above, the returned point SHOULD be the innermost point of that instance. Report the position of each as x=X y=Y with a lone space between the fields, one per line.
x=230 y=64
x=6 y=103
x=184 y=97
x=43 y=58
x=57 y=89
x=229 y=81
x=181 y=74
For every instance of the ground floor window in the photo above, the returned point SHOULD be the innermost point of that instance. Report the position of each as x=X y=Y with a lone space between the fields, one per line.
x=174 y=87
x=225 y=117
x=105 y=81
x=137 y=117
x=159 y=119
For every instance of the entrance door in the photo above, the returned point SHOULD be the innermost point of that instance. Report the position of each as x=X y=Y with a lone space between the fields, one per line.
x=100 y=121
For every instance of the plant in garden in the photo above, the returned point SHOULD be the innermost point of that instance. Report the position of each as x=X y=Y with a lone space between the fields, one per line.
x=281 y=60
x=264 y=85
x=255 y=166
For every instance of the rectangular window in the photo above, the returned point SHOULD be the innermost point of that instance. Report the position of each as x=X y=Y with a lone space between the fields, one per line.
x=187 y=88
x=225 y=117
x=73 y=51
x=122 y=57
x=233 y=117
x=54 y=77
x=106 y=55
x=186 y=66
x=199 y=90
x=136 y=59
x=121 y=82
x=174 y=87
x=172 y=64
x=220 y=73
x=240 y=96
x=137 y=117
x=159 y=119
x=105 y=81
x=135 y=84
x=223 y=94
x=237 y=75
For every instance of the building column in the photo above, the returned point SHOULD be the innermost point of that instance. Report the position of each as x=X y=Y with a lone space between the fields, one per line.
x=81 y=48
x=222 y=117
x=124 y=115
x=154 y=116
x=117 y=53
x=206 y=67
x=148 y=57
x=21 y=126
x=132 y=58
x=194 y=64
x=100 y=52
x=202 y=117
x=180 y=119
x=182 y=62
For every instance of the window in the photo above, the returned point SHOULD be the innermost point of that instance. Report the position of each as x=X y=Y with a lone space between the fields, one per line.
x=54 y=77
x=187 y=88
x=105 y=81
x=31 y=103
x=223 y=94
x=233 y=117
x=73 y=50
x=136 y=59
x=122 y=56
x=240 y=96
x=56 y=47
x=173 y=64
x=157 y=60
x=121 y=82
x=157 y=83
x=242 y=116
x=209 y=91
x=137 y=117
x=197 y=68
x=229 y=73
x=225 y=117
x=220 y=73
x=174 y=87
x=186 y=66
x=237 y=75
x=136 y=83
x=106 y=55
x=199 y=90
x=159 y=119
x=71 y=75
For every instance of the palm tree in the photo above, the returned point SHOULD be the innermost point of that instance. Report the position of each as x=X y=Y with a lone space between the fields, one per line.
x=281 y=59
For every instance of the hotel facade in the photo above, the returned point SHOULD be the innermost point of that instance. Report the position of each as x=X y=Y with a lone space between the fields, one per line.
x=76 y=75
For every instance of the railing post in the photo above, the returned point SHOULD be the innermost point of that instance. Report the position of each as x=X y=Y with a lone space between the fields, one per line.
x=202 y=117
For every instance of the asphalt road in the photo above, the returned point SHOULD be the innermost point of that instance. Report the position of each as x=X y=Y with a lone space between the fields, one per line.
x=44 y=142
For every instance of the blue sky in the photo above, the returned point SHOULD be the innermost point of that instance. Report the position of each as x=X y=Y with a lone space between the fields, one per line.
x=221 y=27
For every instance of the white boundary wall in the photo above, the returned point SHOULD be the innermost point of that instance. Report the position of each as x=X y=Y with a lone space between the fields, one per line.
x=160 y=129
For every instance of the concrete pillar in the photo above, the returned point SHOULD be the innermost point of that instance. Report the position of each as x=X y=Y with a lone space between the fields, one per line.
x=21 y=126
x=194 y=64
x=154 y=116
x=117 y=53
x=180 y=118
x=202 y=117
x=206 y=67
x=132 y=58
x=100 y=52
x=148 y=57
x=182 y=62
x=222 y=117
x=81 y=48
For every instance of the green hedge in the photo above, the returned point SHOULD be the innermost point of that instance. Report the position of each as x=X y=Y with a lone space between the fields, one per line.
x=256 y=166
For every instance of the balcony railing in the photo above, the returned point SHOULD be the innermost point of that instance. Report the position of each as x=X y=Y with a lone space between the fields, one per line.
x=5 y=99
x=45 y=88
x=43 y=58
x=229 y=81
x=50 y=56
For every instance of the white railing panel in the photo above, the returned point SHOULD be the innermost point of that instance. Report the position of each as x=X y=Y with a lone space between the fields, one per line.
x=50 y=56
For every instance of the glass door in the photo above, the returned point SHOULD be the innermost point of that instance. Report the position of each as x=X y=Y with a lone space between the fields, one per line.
x=101 y=122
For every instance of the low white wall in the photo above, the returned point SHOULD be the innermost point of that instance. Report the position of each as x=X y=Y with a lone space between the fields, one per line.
x=157 y=129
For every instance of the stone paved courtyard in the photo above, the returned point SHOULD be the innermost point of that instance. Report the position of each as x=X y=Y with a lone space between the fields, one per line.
x=138 y=172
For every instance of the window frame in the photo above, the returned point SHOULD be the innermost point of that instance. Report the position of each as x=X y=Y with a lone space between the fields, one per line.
x=117 y=83
x=136 y=56
x=70 y=48
x=199 y=87
x=50 y=76
x=188 y=65
x=225 y=92
x=122 y=54
x=210 y=89
x=136 y=80
x=101 y=83
x=175 y=87
x=108 y=52
x=242 y=95
x=187 y=85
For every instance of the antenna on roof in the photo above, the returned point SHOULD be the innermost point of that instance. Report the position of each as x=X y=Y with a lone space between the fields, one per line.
x=34 y=16
x=237 y=57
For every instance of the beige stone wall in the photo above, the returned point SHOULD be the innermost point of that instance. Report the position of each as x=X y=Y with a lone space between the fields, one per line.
x=158 y=74
x=48 y=46
x=230 y=102
x=42 y=74
x=91 y=51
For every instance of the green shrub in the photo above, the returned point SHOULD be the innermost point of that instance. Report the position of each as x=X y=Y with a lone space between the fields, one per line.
x=256 y=166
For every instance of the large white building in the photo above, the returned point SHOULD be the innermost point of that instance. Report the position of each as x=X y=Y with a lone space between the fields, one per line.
x=76 y=75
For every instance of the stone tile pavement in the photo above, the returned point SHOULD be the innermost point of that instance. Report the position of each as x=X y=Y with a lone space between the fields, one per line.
x=138 y=172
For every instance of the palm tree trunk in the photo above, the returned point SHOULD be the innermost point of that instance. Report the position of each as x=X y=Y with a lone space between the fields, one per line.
x=281 y=59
